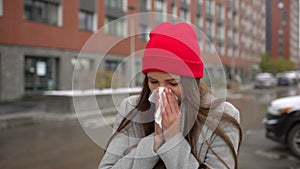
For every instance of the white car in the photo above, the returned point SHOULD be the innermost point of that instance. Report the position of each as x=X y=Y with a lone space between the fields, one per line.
x=283 y=122
x=284 y=105
x=287 y=78
x=264 y=80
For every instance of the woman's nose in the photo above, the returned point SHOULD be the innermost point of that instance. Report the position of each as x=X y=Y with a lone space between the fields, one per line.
x=162 y=85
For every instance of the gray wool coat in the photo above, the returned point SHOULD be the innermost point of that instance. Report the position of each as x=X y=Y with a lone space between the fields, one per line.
x=176 y=153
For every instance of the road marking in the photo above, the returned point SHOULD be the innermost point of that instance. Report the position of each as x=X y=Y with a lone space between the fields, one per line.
x=269 y=155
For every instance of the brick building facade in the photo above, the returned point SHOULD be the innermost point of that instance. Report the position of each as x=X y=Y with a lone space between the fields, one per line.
x=41 y=39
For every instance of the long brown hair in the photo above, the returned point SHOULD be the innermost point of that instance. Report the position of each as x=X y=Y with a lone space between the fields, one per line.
x=194 y=91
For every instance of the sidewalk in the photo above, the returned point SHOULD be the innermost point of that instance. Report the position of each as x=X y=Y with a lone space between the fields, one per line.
x=20 y=112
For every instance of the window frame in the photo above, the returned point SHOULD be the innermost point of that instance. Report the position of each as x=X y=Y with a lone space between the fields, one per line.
x=1 y=8
x=86 y=26
x=119 y=5
x=108 y=19
x=87 y=9
x=36 y=6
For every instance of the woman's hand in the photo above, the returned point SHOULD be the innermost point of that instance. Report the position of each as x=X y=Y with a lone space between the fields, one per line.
x=171 y=115
x=158 y=133
x=158 y=137
x=171 y=119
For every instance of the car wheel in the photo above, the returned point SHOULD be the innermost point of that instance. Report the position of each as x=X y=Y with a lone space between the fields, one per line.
x=294 y=140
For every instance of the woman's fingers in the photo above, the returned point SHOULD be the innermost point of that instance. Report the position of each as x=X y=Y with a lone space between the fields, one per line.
x=170 y=109
x=173 y=103
x=166 y=106
x=156 y=100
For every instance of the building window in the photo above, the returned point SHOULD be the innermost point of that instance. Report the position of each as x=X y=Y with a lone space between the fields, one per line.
x=117 y=27
x=235 y=5
x=144 y=32
x=113 y=25
x=86 y=15
x=174 y=12
x=280 y=42
x=1 y=7
x=235 y=52
x=42 y=11
x=111 y=65
x=173 y=9
x=86 y=20
x=184 y=14
x=160 y=6
x=208 y=47
x=200 y=21
x=210 y=30
x=220 y=14
x=145 y=5
x=82 y=63
x=229 y=52
x=185 y=1
x=209 y=7
x=114 y=4
x=284 y=21
x=220 y=32
x=280 y=51
x=221 y=49
x=41 y=73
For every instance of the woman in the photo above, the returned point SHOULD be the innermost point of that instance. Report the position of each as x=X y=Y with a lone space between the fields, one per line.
x=196 y=131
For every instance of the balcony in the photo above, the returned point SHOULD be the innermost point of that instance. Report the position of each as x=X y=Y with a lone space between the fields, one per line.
x=210 y=36
x=209 y=15
x=184 y=5
x=229 y=5
x=220 y=40
x=114 y=12
x=199 y=9
x=220 y=21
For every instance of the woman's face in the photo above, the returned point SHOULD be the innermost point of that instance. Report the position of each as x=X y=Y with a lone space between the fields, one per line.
x=162 y=79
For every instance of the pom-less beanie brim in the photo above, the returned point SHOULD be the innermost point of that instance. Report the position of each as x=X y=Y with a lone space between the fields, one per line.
x=173 y=48
x=165 y=61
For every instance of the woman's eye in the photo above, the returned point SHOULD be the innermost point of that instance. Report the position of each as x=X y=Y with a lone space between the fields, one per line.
x=153 y=82
x=174 y=84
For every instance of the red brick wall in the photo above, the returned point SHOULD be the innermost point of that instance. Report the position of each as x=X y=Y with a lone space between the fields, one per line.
x=276 y=21
x=16 y=30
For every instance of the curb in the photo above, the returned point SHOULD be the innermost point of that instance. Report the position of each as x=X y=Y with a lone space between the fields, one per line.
x=36 y=117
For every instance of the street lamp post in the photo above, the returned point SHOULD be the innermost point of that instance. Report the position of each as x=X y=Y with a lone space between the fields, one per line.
x=132 y=46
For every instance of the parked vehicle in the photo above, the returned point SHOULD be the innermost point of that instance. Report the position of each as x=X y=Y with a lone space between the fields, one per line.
x=283 y=122
x=287 y=78
x=264 y=80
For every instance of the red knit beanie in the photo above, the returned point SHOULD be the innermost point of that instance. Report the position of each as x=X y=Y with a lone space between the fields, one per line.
x=173 y=48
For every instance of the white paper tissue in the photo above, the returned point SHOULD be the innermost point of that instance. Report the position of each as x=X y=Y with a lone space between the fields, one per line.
x=157 y=116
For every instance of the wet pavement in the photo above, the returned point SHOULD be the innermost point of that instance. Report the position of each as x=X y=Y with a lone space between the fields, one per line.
x=56 y=143
x=48 y=145
x=257 y=151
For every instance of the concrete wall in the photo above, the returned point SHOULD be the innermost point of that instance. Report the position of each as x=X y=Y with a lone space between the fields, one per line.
x=11 y=73
x=12 y=69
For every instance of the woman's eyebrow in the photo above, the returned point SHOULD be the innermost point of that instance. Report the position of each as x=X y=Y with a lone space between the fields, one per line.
x=172 y=79
x=151 y=78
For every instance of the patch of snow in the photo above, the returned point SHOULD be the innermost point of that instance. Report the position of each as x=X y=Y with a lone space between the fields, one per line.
x=91 y=92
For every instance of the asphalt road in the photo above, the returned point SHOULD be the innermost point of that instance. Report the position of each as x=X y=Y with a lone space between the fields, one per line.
x=256 y=150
